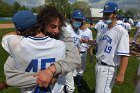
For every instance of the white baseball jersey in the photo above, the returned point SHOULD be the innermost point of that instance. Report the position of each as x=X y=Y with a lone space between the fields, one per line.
x=138 y=26
x=127 y=26
x=74 y=35
x=32 y=54
x=131 y=21
x=111 y=43
x=120 y=22
x=86 y=34
x=99 y=27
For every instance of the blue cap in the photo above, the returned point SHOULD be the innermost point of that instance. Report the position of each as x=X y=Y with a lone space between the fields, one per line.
x=110 y=7
x=126 y=19
x=120 y=17
x=24 y=19
x=78 y=14
x=84 y=18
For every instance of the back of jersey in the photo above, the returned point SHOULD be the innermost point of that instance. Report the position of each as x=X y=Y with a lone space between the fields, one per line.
x=32 y=54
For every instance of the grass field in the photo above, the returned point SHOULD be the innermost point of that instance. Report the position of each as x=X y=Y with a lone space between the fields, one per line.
x=5 y=21
x=89 y=76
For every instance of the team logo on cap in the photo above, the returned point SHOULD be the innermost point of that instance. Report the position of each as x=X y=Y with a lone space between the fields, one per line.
x=106 y=6
x=79 y=13
x=115 y=8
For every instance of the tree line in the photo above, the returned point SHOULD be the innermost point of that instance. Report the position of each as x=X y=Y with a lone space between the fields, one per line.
x=7 y=10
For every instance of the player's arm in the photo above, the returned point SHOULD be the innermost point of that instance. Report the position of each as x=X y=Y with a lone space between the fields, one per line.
x=70 y=62
x=122 y=69
x=10 y=33
x=72 y=59
x=16 y=78
x=89 y=42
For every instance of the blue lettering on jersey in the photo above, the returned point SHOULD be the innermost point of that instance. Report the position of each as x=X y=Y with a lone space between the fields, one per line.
x=121 y=24
x=85 y=37
x=102 y=27
x=108 y=49
x=107 y=38
x=34 y=64
x=76 y=41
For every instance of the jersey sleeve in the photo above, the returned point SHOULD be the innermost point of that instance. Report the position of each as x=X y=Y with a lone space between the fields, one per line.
x=91 y=36
x=17 y=78
x=123 y=45
x=129 y=27
x=6 y=41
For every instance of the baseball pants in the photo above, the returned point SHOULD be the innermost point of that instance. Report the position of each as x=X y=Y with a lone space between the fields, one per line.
x=62 y=81
x=105 y=78
x=137 y=89
x=136 y=36
x=82 y=68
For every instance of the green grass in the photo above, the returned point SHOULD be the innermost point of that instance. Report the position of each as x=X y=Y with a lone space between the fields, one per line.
x=89 y=76
x=5 y=21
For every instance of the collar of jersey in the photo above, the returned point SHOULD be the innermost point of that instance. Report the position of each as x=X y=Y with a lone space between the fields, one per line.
x=37 y=38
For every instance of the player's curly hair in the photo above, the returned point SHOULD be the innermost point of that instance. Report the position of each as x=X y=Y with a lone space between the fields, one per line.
x=44 y=17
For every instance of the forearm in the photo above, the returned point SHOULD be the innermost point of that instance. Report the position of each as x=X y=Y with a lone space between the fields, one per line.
x=123 y=65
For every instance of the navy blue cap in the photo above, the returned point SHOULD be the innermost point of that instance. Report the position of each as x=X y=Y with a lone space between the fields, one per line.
x=78 y=14
x=24 y=19
x=110 y=7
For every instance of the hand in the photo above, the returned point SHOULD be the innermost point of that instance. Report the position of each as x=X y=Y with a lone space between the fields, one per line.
x=84 y=40
x=44 y=78
x=119 y=79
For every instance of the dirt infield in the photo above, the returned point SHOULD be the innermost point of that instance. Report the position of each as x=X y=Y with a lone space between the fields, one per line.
x=2 y=26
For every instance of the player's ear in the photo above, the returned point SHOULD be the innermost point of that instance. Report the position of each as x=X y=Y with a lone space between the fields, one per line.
x=18 y=32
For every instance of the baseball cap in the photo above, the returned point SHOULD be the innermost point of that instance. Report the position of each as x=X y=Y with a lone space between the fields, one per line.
x=78 y=14
x=24 y=19
x=110 y=7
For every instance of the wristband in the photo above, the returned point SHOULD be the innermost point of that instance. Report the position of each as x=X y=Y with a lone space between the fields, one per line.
x=51 y=71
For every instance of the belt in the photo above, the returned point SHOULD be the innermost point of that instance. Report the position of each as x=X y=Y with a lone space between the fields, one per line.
x=82 y=51
x=105 y=64
x=102 y=63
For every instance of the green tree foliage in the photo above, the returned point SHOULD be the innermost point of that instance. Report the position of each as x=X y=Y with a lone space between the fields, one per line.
x=120 y=12
x=17 y=7
x=63 y=5
x=5 y=9
x=36 y=9
x=83 y=6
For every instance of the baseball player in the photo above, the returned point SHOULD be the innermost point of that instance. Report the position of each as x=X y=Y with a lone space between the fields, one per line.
x=72 y=28
x=71 y=61
x=136 y=36
x=84 y=33
x=113 y=50
x=99 y=26
x=31 y=49
x=120 y=20
x=130 y=20
x=127 y=26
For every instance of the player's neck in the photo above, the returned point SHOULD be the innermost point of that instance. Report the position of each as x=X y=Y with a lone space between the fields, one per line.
x=40 y=35
x=114 y=22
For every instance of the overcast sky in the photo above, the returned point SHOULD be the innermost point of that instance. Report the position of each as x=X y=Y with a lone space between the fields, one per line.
x=92 y=3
